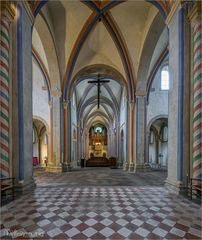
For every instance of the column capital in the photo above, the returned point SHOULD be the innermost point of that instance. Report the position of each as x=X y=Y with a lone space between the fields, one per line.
x=194 y=13
x=132 y=105
x=50 y=104
x=141 y=94
x=64 y=104
x=8 y=10
x=56 y=92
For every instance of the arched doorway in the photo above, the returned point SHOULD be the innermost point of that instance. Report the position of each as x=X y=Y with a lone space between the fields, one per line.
x=158 y=143
x=40 y=143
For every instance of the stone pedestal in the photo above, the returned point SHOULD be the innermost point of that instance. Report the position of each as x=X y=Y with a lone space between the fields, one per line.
x=54 y=168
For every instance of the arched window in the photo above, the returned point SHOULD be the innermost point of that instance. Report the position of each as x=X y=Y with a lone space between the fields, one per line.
x=165 y=78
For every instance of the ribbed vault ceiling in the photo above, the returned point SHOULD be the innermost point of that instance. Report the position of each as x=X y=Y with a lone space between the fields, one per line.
x=82 y=35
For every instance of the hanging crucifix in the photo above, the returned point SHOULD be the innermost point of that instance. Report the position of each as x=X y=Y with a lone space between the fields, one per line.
x=98 y=82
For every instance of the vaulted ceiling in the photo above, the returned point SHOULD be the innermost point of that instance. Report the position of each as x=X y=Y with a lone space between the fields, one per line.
x=73 y=36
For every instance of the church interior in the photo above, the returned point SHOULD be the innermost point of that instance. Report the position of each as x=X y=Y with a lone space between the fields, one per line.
x=101 y=119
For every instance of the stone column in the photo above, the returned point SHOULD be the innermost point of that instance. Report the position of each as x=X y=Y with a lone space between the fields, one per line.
x=51 y=136
x=22 y=99
x=140 y=130
x=176 y=125
x=195 y=18
x=55 y=164
x=66 y=162
x=118 y=143
x=87 y=144
x=131 y=136
x=114 y=143
x=8 y=13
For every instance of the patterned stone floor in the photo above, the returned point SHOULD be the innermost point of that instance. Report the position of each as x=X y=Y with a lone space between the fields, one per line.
x=57 y=210
x=100 y=177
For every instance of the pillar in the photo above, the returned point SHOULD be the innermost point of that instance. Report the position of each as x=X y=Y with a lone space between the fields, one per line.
x=5 y=59
x=22 y=99
x=66 y=156
x=55 y=161
x=177 y=176
x=195 y=18
x=140 y=132
x=131 y=137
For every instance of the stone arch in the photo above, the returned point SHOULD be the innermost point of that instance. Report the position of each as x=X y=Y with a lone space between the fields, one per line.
x=43 y=121
x=50 y=52
x=105 y=71
x=152 y=37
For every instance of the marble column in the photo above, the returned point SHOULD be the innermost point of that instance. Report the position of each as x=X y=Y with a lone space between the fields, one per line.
x=5 y=58
x=195 y=18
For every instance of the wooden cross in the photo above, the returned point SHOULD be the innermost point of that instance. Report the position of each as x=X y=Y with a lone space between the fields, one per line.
x=98 y=81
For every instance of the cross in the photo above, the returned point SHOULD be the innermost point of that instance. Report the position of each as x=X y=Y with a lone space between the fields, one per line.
x=98 y=81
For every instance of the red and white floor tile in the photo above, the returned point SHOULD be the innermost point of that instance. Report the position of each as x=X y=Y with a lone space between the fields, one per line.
x=63 y=212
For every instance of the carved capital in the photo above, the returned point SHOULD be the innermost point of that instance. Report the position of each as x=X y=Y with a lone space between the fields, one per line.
x=56 y=92
x=64 y=104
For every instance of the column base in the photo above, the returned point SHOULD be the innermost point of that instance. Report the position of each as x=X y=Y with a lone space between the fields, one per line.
x=176 y=187
x=126 y=166
x=54 y=168
x=43 y=165
x=66 y=167
x=24 y=186
x=141 y=168
x=131 y=167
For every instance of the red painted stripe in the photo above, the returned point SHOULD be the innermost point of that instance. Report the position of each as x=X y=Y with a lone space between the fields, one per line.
x=4 y=46
x=198 y=48
x=4 y=106
x=4 y=86
x=197 y=167
x=197 y=107
x=4 y=65
x=197 y=68
x=197 y=147
x=197 y=87
x=197 y=127
x=3 y=167
x=4 y=127
x=4 y=147
x=3 y=24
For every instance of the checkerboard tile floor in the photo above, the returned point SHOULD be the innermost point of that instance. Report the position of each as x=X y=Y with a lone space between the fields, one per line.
x=101 y=213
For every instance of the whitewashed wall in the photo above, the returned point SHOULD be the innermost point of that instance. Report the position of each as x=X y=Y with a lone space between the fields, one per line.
x=40 y=103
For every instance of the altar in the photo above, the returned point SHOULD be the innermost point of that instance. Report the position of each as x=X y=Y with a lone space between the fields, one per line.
x=98 y=141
